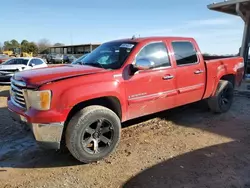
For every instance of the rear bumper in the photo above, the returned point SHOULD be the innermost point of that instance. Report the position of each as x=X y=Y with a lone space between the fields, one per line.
x=47 y=135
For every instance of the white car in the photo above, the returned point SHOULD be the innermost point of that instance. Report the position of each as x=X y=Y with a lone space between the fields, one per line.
x=11 y=66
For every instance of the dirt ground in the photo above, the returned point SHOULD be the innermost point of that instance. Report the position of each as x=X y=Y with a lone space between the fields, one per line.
x=184 y=147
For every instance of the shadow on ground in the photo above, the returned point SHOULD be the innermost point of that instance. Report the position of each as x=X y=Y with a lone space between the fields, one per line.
x=4 y=93
x=18 y=148
x=224 y=165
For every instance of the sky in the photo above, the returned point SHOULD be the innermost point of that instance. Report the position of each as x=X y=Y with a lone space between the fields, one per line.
x=97 y=21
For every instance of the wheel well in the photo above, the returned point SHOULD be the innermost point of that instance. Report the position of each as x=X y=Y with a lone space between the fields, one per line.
x=229 y=77
x=109 y=102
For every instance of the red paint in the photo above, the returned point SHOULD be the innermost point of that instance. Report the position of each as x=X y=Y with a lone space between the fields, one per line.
x=41 y=76
x=143 y=93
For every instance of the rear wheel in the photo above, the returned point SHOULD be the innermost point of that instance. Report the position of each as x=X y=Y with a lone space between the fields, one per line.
x=93 y=133
x=222 y=100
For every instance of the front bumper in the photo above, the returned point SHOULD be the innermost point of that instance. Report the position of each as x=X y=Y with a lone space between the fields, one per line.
x=47 y=135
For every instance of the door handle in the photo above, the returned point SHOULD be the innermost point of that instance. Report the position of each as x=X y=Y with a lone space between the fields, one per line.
x=168 y=77
x=198 y=71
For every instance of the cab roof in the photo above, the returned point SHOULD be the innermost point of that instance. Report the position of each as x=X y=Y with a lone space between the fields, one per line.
x=153 y=38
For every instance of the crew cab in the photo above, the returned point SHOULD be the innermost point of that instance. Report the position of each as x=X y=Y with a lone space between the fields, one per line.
x=82 y=106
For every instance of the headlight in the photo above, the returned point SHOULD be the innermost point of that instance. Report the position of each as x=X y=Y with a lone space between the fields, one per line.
x=39 y=100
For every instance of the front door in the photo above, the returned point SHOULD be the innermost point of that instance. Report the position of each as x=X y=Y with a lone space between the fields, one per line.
x=152 y=90
x=190 y=71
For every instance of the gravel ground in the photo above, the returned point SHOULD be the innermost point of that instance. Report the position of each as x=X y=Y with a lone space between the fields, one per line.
x=183 y=147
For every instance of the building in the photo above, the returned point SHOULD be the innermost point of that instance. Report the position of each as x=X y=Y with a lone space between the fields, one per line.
x=239 y=8
x=77 y=50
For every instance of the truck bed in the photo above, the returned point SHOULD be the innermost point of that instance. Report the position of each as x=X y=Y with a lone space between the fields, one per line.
x=211 y=57
x=221 y=66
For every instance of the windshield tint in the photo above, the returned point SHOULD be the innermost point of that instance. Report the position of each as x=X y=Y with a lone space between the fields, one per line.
x=111 y=55
x=80 y=59
x=16 y=62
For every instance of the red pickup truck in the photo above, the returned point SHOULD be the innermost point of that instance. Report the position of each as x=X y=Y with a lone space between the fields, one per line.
x=82 y=105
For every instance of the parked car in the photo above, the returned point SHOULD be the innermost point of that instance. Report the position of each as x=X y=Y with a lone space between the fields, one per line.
x=14 y=65
x=57 y=58
x=3 y=58
x=80 y=59
x=49 y=57
x=84 y=105
x=68 y=58
x=62 y=58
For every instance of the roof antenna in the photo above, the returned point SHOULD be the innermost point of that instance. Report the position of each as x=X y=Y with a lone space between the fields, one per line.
x=133 y=37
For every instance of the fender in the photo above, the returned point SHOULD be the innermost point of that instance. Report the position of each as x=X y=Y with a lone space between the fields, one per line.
x=222 y=70
x=80 y=93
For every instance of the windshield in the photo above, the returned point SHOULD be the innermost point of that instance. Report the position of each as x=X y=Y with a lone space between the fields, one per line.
x=109 y=55
x=16 y=62
x=80 y=59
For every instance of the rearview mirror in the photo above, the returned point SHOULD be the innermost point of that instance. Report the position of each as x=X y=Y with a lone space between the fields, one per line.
x=143 y=64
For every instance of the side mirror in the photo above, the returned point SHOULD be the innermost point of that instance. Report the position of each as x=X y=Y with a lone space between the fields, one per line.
x=32 y=64
x=143 y=64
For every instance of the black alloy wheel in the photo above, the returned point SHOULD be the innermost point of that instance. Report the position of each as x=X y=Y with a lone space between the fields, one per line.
x=98 y=136
x=93 y=133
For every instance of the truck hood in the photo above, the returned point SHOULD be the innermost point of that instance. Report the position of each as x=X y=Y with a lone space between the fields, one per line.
x=37 y=77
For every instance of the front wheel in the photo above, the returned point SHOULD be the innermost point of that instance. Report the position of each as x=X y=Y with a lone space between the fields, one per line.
x=222 y=101
x=93 y=133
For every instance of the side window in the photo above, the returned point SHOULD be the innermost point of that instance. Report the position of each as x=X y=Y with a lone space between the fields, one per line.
x=32 y=62
x=185 y=53
x=156 y=52
x=38 y=62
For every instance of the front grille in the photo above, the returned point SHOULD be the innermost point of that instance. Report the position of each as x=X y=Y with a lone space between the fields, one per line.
x=17 y=95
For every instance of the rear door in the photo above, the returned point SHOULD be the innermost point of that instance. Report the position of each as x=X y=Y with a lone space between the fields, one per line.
x=152 y=90
x=190 y=72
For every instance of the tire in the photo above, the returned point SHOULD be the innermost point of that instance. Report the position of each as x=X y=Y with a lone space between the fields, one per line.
x=222 y=101
x=83 y=133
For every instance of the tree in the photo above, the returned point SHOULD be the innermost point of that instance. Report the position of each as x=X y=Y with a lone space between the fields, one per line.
x=24 y=46
x=14 y=43
x=29 y=47
x=43 y=45
x=7 y=45
x=32 y=47
x=11 y=45
x=58 y=44
x=24 y=42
